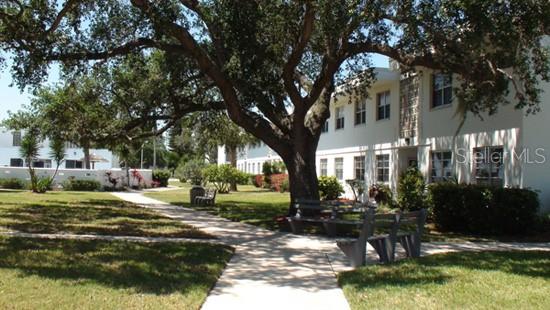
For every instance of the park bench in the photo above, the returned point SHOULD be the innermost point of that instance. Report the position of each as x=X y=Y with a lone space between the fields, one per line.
x=326 y=213
x=209 y=197
x=310 y=211
x=405 y=228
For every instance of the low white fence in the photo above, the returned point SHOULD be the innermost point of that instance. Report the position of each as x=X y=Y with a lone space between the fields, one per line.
x=137 y=177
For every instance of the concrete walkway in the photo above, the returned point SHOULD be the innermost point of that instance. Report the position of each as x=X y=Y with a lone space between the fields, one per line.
x=273 y=270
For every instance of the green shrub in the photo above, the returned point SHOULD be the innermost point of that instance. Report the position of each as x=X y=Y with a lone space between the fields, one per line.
x=411 y=190
x=383 y=195
x=285 y=186
x=81 y=185
x=13 y=183
x=191 y=171
x=161 y=176
x=43 y=185
x=243 y=178
x=330 y=188
x=483 y=210
x=221 y=176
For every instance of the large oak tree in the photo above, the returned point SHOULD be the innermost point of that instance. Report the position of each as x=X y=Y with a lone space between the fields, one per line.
x=275 y=63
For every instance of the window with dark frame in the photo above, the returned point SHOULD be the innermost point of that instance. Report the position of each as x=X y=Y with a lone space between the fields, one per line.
x=73 y=164
x=442 y=169
x=359 y=165
x=16 y=138
x=340 y=119
x=442 y=90
x=383 y=105
x=339 y=168
x=16 y=162
x=360 y=112
x=323 y=167
x=489 y=165
x=383 y=168
x=325 y=127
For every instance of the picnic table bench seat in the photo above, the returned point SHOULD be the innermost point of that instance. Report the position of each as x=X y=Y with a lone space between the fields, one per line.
x=405 y=228
x=315 y=211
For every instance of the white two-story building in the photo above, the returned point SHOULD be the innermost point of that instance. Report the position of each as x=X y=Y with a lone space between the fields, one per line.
x=410 y=119
x=10 y=155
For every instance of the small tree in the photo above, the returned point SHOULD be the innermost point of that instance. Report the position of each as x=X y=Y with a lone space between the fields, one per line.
x=411 y=192
x=29 y=150
x=57 y=153
x=222 y=176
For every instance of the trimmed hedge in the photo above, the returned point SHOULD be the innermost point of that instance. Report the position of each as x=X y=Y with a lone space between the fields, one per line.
x=82 y=185
x=161 y=176
x=483 y=210
x=13 y=183
x=330 y=188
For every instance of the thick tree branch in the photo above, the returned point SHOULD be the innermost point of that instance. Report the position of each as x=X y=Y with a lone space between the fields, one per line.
x=66 y=8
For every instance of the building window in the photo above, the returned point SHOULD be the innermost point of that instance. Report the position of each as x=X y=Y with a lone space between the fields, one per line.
x=324 y=167
x=489 y=165
x=360 y=112
x=359 y=164
x=325 y=127
x=383 y=168
x=442 y=90
x=339 y=168
x=73 y=164
x=16 y=141
x=339 y=117
x=16 y=162
x=442 y=169
x=70 y=145
x=42 y=163
x=383 y=105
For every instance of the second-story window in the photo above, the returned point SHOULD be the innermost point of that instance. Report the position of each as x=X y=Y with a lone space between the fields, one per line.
x=339 y=117
x=325 y=127
x=360 y=112
x=16 y=138
x=383 y=105
x=442 y=90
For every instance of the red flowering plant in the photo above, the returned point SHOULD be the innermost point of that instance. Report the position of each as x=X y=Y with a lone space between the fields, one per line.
x=137 y=175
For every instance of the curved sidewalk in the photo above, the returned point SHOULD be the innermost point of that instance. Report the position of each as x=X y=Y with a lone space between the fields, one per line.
x=273 y=270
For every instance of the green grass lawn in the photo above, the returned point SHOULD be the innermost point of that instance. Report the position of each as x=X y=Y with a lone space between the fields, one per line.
x=487 y=280
x=85 y=213
x=250 y=204
x=72 y=274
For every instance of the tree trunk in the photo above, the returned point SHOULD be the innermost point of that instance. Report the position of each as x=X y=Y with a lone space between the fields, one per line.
x=302 y=174
x=232 y=154
x=86 y=150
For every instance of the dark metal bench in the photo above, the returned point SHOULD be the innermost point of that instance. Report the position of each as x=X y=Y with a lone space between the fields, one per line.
x=209 y=197
x=411 y=227
x=311 y=211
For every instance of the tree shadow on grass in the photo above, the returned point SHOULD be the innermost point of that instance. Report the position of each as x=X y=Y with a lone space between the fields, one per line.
x=434 y=268
x=93 y=218
x=147 y=268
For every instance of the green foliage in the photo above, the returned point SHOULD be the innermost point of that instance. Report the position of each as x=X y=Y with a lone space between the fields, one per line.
x=43 y=185
x=222 y=176
x=330 y=188
x=161 y=176
x=191 y=171
x=243 y=178
x=411 y=190
x=285 y=186
x=383 y=195
x=29 y=150
x=81 y=185
x=12 y=183
x=358 y=187
x=483 y=210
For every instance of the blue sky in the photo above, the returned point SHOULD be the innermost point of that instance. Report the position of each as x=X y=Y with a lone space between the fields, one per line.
x=12 y=99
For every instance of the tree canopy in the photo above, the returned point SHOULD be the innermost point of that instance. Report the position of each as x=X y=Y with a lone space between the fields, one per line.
x=274 y=64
